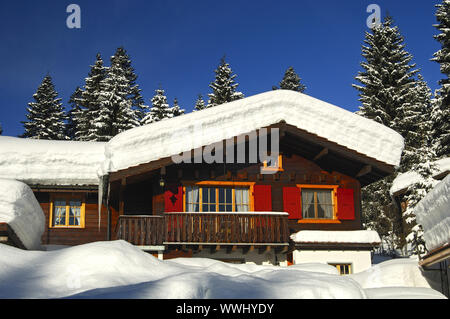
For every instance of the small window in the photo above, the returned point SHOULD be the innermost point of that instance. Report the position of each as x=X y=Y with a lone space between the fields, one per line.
x=276 y=166
x=221 y=198
x=67 y=212
x=317 y=203
x=343 y=269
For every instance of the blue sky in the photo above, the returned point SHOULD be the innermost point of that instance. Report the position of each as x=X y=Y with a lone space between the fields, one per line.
x=178 y=44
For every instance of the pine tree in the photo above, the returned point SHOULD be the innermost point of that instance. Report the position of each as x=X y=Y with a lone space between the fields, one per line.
x=46 y=115
x=160 y=108
x=115 y=113
x=224 y=86
x=175 y=109
x=89 y=102
x=122 y=58
x=74 y=114
x=291 y=81
x=441 y=110
x=200 y=103
x=1 y=129
x=388 y=76
x=390 y=95
x=414 y=123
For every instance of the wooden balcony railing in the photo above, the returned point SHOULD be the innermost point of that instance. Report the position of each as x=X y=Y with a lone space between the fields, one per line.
x=205 y=228
x=226 y=228
x=142 y=230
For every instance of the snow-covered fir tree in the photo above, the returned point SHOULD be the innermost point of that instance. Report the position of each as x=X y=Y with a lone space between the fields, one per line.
x=414 y=123
x=200 y=103
x=415 y=193
x=390 y=95
x=159 y=110
x=89 y=103
x=121 y=57
x=74 y=114
x=46 y=116
x=175 y=109
x=291 y=81
x=388 y=75
x=224 y=86
x=116 y=113
x=441 y=105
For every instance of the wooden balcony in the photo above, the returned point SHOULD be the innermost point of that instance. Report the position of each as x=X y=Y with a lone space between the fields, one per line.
x=249 y=228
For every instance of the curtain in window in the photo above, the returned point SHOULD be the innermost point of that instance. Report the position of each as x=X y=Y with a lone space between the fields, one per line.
x=324 y=204
x=75 y=213
x=241 y=199
x=192 y=199
x=308 y=203
x=60 y=213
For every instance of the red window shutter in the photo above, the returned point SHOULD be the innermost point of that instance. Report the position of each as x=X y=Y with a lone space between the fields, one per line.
x=262 y=197
x=345 y=204
x=173 y=198
x=292 y=202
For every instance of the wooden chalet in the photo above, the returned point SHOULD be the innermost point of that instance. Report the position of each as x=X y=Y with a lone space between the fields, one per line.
x=232 y=210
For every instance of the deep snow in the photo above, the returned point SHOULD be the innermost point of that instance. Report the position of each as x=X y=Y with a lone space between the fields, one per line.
x=119 y=270
x=20 y=209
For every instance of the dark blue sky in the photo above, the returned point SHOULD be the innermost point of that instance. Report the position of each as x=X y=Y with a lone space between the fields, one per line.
x=178 y=44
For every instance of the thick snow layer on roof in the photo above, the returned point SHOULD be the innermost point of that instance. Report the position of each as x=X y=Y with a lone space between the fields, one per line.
x=326 y=236
x=20 y=209
x=404 y=180
x=46 y=162
x=433 y=213
x=119 y=270
x=191 y=131
x=442 y=165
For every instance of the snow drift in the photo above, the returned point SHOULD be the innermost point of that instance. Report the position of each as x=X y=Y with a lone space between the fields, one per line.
x=117 y=269
x=20 y=209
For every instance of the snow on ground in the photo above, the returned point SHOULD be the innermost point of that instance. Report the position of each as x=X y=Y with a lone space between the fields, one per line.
x=119 y=270
x=191 y=131
x=47 y=162
x=20 y=209
x=433 y=213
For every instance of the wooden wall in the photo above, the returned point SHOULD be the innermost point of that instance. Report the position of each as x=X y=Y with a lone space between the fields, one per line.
x=75 y=236
x=297 y=170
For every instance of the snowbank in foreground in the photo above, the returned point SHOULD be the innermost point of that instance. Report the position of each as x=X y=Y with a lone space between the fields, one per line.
x=20 y=209
x=119 y=270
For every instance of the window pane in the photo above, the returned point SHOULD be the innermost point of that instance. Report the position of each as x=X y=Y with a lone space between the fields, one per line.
x=221 y=195
x=59 y=218
x=308 y=203
x=192 y=199
x=324 y=204
x=75 y=213
x=229 y=194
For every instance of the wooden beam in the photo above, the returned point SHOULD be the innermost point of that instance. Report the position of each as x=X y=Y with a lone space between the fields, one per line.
x=364 y=171
x=322 y=153
x=123 y=183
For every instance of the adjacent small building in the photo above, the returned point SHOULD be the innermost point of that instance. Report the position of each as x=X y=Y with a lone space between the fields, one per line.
x=275 y=178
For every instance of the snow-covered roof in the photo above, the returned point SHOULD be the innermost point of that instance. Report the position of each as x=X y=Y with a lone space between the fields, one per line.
x=404 y=180
x=433 y=213
x=336 y=237
x=44 y=162
x=20 y=209
x=191 y=131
